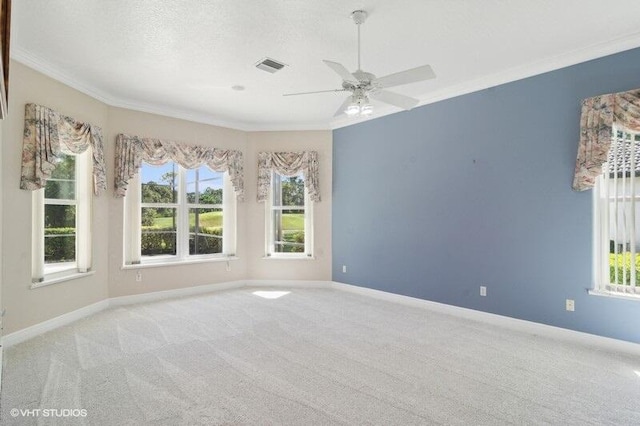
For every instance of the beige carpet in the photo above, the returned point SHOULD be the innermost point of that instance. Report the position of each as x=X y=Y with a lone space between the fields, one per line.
x=312 y=356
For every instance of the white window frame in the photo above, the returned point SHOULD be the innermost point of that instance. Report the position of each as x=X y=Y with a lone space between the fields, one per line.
x=133 y=230
x=270 y=209
x=604 y=192
x=42 y=273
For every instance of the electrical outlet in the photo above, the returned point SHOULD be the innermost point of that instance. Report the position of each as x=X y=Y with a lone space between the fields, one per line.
x=483 y=290
x=570 y=305
x=139 y=276
x=344 y=269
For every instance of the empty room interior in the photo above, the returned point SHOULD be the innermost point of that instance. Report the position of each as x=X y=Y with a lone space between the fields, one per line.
x=334 y=212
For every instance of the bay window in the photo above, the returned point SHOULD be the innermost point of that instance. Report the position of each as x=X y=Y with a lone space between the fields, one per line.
x=61 y=220
x=289 y=217
x=175 y=214
x=288 y=184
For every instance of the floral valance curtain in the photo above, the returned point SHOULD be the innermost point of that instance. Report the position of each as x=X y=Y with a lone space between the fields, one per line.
x=599 y=114
x=131 y=151
x=289 y=164
x=47 y=134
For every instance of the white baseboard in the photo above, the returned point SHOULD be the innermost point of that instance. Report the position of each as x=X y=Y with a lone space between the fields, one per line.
x=64 y=319
x=530 y=327
x=288 y=283
x=53 y=323
x=175 y=293
x=600 y=342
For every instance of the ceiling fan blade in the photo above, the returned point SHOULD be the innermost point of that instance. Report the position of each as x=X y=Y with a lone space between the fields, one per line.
x=405 y=77
x=395 y=99
x=341 y=71
x=344 y=105
x=317 y=91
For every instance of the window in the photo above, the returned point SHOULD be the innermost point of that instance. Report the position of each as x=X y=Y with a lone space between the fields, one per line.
x=61 y=220
x=176 y=214
x=617 y=217
x=289 y=217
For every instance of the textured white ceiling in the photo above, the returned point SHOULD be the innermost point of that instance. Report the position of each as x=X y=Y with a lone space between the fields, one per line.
x=180 y=58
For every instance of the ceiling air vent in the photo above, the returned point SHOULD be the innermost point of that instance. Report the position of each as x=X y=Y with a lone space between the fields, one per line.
x=270 y=65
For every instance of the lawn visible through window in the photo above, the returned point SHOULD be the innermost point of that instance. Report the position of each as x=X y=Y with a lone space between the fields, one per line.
x=159 y=214
x=617 y=215
x=204 y=198
x=60 y=212
x=181 y=211
x=288 y=214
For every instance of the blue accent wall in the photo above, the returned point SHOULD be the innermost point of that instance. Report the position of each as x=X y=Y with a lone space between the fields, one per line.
x=476 y=190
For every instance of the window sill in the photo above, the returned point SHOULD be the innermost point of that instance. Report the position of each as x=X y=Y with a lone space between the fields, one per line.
x=616 y=295
x=280 y=257
x=157 y=264
x=56 y=280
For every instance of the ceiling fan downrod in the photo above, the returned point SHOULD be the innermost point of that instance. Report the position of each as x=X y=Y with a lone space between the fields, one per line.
x=364 y=85
x=359 y=16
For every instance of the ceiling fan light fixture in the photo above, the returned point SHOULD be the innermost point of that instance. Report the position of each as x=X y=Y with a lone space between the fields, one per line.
x=366 y=110
x=352 y=109
x=359 y=106
x=363 y=84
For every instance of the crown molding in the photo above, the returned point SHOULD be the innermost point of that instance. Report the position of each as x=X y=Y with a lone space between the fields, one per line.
x=556 y=62
x=553 y=63
x=35 y=62
x=32 y=61
x=574 y=57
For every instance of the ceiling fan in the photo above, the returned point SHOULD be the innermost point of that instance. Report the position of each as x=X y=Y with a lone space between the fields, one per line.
x=363 y=85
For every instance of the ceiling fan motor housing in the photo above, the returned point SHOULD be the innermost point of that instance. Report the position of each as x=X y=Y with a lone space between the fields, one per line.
x=365 y=81
x=363 y=85
x=359 y=16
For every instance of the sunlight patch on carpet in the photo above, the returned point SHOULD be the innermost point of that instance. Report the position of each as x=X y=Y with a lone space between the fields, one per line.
x=271 y=294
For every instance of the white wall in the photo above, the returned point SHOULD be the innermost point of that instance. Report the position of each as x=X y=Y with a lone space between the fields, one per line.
x=318 y=268
x=26 y=307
